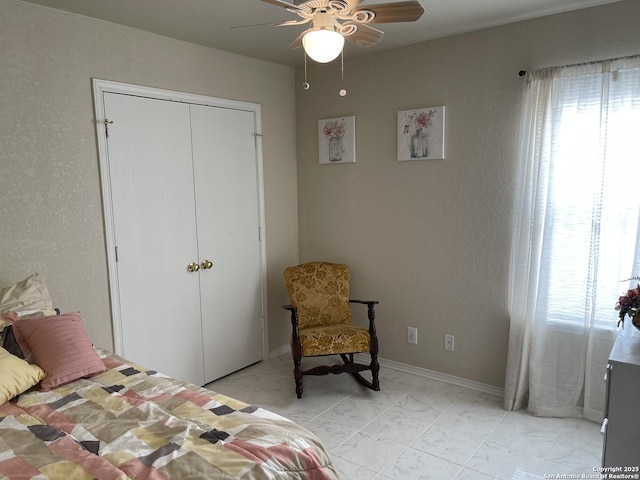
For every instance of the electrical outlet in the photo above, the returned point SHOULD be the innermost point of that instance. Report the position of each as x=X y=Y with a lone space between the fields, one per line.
x=412 y=335
x=448 y=343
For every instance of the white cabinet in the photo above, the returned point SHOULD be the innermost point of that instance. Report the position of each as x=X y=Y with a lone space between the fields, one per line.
x=183 y=212
x=621 y=426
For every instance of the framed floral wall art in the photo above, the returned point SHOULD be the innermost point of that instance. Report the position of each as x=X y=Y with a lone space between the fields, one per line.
x=421 y=134
x=337 y=140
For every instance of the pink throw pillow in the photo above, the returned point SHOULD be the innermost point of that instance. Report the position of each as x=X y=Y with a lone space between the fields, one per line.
x=61 y=347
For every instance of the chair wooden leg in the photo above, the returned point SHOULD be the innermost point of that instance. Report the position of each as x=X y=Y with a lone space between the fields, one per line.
x=375 y=366
x=297 y=368
x=373 y=347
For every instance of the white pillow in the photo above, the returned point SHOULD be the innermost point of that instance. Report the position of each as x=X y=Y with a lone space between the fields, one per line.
x=29 y=294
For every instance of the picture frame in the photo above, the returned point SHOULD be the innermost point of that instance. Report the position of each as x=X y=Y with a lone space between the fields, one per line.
x=337 y=140
x=421 y=134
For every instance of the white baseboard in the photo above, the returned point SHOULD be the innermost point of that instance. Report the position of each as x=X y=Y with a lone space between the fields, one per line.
x=433 y=375
x=422 y=372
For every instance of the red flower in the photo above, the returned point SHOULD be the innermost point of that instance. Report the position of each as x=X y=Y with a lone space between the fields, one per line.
x=628 y=304
x=422 y=119
x=334 y=128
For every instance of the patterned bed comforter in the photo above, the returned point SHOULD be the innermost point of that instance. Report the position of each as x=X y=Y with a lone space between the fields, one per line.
x=133 y=423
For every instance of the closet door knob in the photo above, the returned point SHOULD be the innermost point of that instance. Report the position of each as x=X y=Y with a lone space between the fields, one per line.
x=193 y=267
x=207 y=264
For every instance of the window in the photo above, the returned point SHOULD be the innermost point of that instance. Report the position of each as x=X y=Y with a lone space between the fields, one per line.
x=591 y=215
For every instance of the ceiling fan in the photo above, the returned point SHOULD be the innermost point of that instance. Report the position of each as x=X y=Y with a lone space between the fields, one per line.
x=333 y=21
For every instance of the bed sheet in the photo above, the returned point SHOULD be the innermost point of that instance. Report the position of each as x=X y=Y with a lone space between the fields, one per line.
x=133 y=423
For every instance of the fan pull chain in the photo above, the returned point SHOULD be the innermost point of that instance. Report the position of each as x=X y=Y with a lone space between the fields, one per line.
x=305 y=85
x=343 y=91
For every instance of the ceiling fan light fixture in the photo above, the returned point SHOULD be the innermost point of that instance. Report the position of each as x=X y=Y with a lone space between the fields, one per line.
x=323 y=45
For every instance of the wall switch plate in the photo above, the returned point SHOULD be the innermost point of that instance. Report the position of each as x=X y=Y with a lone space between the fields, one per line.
x=412 y=335
x=448 y=343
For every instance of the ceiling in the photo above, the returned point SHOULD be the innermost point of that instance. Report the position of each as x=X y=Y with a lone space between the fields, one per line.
x=214 y=23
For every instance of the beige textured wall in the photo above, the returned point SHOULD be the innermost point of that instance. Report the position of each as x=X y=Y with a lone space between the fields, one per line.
x=431 y=239
x=50 y=200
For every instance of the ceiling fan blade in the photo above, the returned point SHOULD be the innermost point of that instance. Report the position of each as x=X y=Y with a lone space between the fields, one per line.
x=351 y=4
x=365 y=36
x=297 y=43
x=395 y=12
x=287 y=5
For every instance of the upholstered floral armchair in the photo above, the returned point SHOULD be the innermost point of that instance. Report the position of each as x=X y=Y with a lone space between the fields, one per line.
x=321 y=320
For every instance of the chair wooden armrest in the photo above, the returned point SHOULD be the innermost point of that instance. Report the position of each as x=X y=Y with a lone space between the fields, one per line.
x=365 y=302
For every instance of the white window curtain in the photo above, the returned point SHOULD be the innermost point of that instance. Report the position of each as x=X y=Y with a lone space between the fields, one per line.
x=576 y=234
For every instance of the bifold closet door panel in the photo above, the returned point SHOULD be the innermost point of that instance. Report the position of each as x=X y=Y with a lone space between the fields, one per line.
x=227 y=206
x=151 y=170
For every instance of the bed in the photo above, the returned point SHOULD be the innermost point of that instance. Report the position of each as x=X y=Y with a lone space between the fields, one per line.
x=119 y=420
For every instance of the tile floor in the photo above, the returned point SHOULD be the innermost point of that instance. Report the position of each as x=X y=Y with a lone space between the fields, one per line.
x=418 y=428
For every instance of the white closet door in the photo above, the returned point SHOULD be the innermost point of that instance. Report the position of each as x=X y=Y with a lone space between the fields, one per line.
x=226 y=178
x=150 y=166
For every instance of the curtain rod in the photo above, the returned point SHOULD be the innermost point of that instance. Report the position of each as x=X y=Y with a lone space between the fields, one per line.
x=522 y=73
